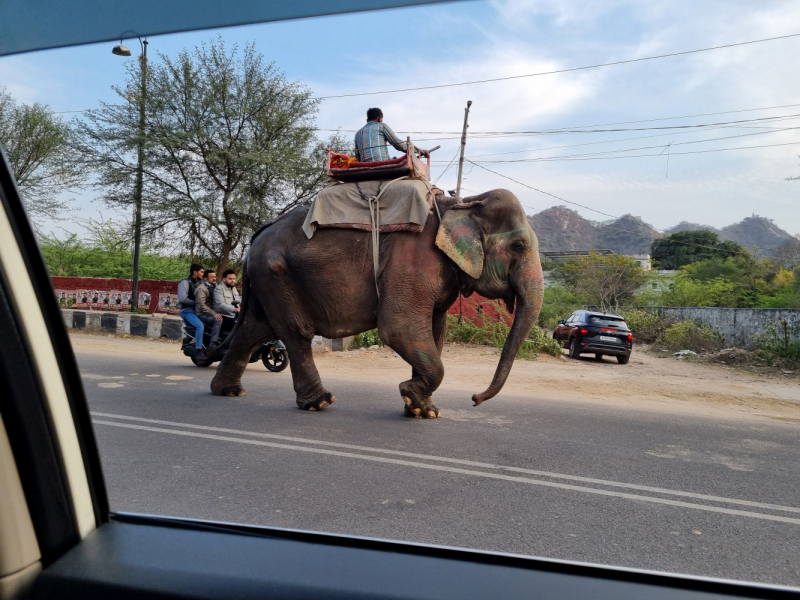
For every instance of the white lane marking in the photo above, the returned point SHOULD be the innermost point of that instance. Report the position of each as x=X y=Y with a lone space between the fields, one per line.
x=460 y=461
x=405 y=463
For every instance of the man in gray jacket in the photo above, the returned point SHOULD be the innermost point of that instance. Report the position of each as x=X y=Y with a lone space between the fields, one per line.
x=204 y=306
x=226 y=298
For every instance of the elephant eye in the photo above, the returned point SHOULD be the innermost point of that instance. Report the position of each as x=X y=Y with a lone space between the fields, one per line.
x=518 y=246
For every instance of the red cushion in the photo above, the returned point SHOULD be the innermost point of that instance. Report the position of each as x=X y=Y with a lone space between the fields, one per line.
x=380 y=163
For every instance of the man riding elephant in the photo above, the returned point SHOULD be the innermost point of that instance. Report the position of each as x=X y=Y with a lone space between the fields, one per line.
x=295 y=288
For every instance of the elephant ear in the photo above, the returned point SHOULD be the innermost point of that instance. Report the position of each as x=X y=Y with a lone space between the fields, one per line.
x=460 y=239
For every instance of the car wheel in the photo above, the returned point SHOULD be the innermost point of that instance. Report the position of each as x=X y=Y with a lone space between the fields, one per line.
x=623 y=360
x=573 y=349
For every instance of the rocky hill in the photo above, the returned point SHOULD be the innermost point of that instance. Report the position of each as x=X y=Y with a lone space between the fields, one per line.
x=756 y=232
x=560 y=228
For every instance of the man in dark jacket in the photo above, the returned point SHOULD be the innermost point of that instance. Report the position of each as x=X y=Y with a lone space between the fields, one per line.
x=204 y=305
x=186 y=293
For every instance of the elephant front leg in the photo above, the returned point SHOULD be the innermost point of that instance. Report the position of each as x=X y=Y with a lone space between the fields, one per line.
x=311 y=395
x=427 y=373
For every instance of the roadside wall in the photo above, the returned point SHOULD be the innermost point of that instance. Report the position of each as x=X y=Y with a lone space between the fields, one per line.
x=150 y=290
x=156 y=326
x=739 y=326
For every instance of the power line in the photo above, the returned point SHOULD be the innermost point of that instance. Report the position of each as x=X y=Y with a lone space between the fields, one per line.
x=566 y=159
x=597 y=66
x=727 y=137
x=743 y=123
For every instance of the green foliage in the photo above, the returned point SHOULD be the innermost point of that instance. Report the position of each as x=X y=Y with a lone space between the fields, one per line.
x=686 y=291
x=38 y=145
x=494 y=331
x=366 y=339
x=107 y=257
x=559 y=303
x=229 y=144
x=778 y=344
x=646 y=325
x=688 y=335
x=605 y=281
x=738 y=281
x=687 y=247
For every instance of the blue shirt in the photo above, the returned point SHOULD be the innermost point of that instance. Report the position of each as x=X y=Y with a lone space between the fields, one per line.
x=371 y=142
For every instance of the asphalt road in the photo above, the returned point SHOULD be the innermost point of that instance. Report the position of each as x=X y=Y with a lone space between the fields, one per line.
x=537 y=476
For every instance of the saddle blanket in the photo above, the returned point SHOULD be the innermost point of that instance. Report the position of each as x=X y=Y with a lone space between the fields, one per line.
x=402 y=205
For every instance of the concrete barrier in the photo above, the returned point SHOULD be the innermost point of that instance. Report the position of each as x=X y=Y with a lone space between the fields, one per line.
x=739 y=326
x=156 y=326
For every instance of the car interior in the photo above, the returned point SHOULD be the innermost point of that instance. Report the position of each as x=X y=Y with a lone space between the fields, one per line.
x=59 y=538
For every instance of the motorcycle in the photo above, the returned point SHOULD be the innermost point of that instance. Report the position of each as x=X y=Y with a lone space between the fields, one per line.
x=272 y=354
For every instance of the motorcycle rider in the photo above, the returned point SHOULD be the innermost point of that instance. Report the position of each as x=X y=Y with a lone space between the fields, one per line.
x=227 y=299
x=186 y=302
x=204 y=306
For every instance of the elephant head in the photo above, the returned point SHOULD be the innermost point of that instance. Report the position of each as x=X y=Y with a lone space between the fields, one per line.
x=489 y=239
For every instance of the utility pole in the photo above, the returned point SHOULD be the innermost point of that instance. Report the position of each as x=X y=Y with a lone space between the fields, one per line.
x=463 y=145
x=137 y=197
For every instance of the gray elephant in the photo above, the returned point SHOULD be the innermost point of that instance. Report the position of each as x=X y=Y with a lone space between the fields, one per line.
x=296 y=287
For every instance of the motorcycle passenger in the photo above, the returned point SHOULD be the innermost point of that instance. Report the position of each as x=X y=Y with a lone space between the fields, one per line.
x=227 y=299
x=204 y=306
x=186 y=301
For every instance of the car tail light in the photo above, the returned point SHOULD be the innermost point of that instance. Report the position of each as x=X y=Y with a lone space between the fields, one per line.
x=630 y=337
x=584 y=331
x=606 y=329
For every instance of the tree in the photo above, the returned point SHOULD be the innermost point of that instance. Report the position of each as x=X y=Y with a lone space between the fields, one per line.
x=686 y=247
x=39 y=148
x=606 y=281
x=229 y=146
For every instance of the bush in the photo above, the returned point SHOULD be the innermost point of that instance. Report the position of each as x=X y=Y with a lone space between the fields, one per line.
x=366 y=339
x=645 y=325
x=688 y=335
x=493 y=332
x=559 y=303
x=776 y=346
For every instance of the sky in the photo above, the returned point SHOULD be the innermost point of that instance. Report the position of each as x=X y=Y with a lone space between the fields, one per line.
x=468 y=41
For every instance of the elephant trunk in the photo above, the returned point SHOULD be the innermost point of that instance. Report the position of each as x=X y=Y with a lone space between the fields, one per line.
x=528 y=284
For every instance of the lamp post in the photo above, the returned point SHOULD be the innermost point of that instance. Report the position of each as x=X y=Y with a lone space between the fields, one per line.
x=122 y=50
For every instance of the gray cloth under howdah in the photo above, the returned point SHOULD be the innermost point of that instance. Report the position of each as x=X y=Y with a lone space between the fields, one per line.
x=399 y=201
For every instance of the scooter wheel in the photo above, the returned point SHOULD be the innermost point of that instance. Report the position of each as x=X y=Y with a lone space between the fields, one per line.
x=202 y=362
x=275 y=360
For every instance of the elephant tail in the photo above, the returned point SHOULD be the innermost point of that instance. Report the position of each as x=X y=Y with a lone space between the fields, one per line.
x=242 y=311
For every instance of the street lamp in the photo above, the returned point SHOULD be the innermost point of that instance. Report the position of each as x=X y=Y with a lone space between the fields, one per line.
x=122 y=50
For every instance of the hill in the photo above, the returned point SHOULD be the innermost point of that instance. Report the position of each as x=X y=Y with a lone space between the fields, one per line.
x=756 y=232
x=560 y=228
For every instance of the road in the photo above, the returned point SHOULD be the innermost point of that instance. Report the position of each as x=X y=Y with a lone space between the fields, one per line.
x=709 y=493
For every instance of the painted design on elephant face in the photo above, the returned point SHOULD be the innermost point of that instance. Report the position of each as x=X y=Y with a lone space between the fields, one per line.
x=499 y=257
x=460 y=239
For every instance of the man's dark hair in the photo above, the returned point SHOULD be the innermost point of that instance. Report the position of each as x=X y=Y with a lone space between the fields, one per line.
x=227 y=272
x=374 y=113
x=208 y=272
x=194 y=268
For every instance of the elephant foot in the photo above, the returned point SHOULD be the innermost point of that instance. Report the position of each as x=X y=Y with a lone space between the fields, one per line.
x=220 y=389
x=323 y=401
x=232 y=390
x=420 y=410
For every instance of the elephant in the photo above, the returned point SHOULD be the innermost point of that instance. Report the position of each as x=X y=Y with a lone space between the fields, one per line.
x=295 y=288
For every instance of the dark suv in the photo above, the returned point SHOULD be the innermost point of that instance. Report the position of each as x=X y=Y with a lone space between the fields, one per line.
x=594 y=332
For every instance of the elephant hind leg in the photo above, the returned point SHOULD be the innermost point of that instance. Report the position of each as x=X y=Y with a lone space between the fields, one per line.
x=228 y=379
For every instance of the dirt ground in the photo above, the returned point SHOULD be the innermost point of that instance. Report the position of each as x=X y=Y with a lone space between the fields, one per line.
x=650 y=381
